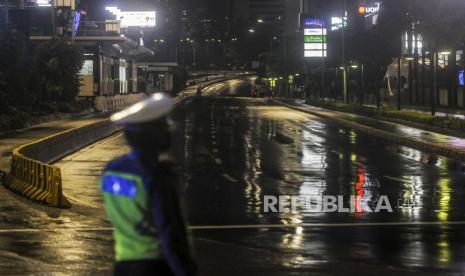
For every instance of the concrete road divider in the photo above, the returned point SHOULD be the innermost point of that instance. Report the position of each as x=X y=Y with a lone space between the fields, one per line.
x=32 y=174
x=37 y=181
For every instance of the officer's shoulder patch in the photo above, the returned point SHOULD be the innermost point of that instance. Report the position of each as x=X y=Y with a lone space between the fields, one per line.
x=119 y=184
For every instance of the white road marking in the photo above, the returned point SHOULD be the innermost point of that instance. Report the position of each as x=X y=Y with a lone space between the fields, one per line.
x=215 y=150
x=315 y=225
x=397 y=179
x=230 y=178
x=214 y=142
x=252 y=226
x=218 y=161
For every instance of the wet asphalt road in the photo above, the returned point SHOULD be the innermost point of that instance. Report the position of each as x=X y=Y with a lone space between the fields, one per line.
x=230 y=152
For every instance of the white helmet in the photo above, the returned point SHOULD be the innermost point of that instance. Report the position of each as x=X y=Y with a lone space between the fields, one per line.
x=154 y=107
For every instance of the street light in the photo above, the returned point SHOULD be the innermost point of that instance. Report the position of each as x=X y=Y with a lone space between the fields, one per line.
x=251 y=31
x=260 y=20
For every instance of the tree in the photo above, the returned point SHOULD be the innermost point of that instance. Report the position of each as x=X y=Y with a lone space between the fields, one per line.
x=14 y=71
x=442 y=29
x=56 y=67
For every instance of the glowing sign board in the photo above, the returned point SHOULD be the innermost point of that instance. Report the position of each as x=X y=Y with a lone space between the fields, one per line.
x=314 y=46
x=134 y=18
x=314 y=31
x=314 y=38
x=43 y=3
x=137 y=19
x=369 y=9
x=314 y=53
x=336 y=23
x=313 y=23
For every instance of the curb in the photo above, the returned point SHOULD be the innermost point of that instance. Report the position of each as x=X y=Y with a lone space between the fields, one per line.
x=422 y=145
x=413 y=124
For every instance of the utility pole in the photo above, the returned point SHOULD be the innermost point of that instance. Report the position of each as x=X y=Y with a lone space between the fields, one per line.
x=434 y=89
x=7 y=13
x=344 y=67
x=194 y=56
x=52 y=10
x=362 y=83
x=286 y=73
x=323 y=61
x=399 y=84
x=415 y=66
x=423 y=74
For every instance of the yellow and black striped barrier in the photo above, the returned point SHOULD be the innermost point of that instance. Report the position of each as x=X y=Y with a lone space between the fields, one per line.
x=32 y=174
x=36 y=180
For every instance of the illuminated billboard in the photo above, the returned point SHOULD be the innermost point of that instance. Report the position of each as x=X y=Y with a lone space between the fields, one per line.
x=314 y=53
x=314 y=46
x=314 y=31
x=145 y=19
x=57 y=3
x=137 y=19
x=311 y=23
x=315 y=35
x=336 y=23
x=369 y=9
x=43 y=2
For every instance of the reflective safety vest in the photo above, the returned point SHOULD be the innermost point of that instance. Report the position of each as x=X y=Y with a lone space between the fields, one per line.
x=126 y=203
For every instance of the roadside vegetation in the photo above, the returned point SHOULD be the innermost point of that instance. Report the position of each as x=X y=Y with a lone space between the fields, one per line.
x=443 y=122
x=37 y=81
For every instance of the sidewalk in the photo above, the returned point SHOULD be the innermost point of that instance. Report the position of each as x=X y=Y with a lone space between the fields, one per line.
x=440 y=112
x=20 y=137
x=429 y=141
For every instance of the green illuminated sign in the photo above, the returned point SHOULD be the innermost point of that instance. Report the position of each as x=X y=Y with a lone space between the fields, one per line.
x=314 y=38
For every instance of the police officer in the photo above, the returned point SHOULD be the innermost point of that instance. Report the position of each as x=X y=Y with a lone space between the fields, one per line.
x=140 y=197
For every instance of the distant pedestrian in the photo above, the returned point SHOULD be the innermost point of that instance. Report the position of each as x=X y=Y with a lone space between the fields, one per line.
x=140 y=197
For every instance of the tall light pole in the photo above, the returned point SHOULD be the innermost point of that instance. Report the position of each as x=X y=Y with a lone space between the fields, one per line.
x=344 y=67
x=52 y=9
x=322 y=64
x=399 y=83
x=286 y=74
x=7 y=12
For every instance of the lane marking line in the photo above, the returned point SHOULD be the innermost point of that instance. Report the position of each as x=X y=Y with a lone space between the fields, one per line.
x=218 y=161
x=230 y=178
x=253 y=226
x=214 y=142
x=397 y=179
x=215 y=150
x=327 y=225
